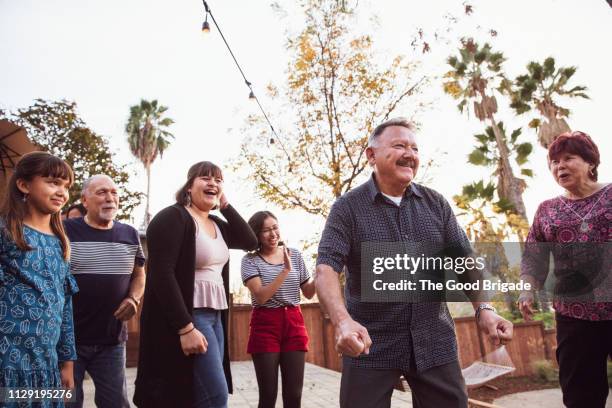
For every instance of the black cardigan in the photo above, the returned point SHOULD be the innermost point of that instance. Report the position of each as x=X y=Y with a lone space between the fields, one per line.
x=165 y=374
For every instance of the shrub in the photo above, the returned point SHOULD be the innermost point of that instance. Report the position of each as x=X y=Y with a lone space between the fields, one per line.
x=548 y=318
x=545 y=370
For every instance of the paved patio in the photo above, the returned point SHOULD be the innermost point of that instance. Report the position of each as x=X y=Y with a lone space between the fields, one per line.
x=551 y=398
x=321 y=388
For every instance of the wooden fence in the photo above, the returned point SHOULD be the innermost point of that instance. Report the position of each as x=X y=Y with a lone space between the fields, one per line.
x=531 y=341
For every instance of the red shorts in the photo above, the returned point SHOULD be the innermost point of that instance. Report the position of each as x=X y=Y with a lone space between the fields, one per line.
x=278 y=329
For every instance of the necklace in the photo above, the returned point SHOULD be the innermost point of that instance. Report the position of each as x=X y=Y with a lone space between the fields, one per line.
x=584 y=226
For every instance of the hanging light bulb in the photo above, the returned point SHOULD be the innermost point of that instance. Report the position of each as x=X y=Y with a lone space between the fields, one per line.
x=271 y=140
x=251 y=95
x=205 y=25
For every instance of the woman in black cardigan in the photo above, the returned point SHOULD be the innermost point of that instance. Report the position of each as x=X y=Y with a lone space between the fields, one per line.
x=172 y=345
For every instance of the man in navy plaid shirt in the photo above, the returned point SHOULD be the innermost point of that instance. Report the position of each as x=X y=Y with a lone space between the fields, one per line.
x=381 y=341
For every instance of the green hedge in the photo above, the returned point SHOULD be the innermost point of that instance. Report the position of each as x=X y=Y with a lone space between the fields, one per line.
x=548 y=318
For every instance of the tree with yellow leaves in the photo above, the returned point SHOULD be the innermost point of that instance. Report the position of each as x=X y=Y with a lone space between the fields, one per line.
x=335 y=94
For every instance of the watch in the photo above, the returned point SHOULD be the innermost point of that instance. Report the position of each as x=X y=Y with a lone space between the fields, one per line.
x=484 y=306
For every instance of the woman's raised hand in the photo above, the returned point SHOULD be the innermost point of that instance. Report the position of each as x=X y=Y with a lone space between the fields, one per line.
x=286 y=260
x=223 y=201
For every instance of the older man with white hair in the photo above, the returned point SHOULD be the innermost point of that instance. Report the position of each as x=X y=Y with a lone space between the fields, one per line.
x=382 y=339
x=108 y=264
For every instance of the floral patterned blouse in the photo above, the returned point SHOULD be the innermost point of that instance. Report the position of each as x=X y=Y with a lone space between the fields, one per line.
x=586 y=220
x=36 y=326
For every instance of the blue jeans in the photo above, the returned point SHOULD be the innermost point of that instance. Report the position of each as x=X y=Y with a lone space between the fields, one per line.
x=209 y=384
x=106 y=366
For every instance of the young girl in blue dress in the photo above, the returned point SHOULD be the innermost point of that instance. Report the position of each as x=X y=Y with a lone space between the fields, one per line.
x=36 y=329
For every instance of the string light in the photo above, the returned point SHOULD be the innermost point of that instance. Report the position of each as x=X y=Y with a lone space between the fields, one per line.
x=252 y=95
x=205 y=25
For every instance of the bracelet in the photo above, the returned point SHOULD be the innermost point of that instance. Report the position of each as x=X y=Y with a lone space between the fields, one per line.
x=188 y=331
x=134 y=299
x=484 y=306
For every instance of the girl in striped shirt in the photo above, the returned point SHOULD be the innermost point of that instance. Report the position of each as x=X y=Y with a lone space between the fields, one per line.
x=275 y=275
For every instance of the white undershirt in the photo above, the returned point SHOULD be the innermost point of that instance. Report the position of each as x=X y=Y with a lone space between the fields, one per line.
x=396 y=200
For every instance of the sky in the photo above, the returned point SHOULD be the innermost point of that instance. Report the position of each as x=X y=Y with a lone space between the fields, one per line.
x=108 y=55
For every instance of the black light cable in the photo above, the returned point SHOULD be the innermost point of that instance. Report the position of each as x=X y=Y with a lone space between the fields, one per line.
x=246 y=81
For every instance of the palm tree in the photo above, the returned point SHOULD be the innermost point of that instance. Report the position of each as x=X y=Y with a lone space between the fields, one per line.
x=537 y=90
x=486 y=154
x=148 y=136
x=476 y=73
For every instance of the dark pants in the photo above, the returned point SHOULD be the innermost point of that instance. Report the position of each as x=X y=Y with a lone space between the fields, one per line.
x=291 y=364
x=106 y=366
x=441 y=386
x=583 y=348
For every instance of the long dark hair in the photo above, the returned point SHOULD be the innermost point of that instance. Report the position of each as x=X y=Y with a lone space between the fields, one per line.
x=204 y=168
x=15 y=209
x=256 y=223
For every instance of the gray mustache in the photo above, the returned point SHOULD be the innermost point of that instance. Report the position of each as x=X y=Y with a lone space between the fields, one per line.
x=405 y=162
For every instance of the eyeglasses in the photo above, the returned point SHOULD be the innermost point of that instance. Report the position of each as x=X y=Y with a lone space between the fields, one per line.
x=268 y=230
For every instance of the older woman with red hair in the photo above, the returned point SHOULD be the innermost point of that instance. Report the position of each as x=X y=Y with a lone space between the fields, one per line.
x=583 y=214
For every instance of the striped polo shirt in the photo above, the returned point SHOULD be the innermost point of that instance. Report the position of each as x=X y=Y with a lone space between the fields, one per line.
x=102 y=262
x=253 y=265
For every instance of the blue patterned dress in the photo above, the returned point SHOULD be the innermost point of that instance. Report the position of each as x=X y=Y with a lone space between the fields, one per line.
x=36 y=328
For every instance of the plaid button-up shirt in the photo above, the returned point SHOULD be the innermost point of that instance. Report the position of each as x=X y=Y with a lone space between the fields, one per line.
x=403 y=334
